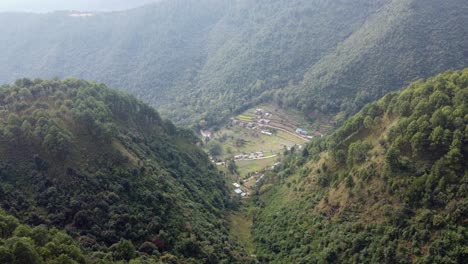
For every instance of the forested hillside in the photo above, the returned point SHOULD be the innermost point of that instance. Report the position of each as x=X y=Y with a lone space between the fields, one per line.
x=404 y=41
x=389 y=186
x=206 y=60
x=106 y=169
x=148 y=51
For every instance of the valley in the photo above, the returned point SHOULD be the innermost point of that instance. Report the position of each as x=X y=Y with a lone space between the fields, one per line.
x=234 y=131
x=251 y=148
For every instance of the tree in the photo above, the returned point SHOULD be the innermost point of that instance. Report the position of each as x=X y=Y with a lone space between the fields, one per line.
x=40 y=235
x=123 y=250
x=8 y=225
x=232 y=166
x=25 y=253
x=26 y=128
x=202 y=123
x=58 y=142
x=357 y=152
x=63 y=259
x=305 y=152
x=215 y=148
x=368 y=122
x=240 y=142
x=393 y=157
x=24 y=94
x=438 y=119
x=418 y=143
x=148 y=248
x=22 y=231
x=6 y=256
x=83 y=219
x=437 y=137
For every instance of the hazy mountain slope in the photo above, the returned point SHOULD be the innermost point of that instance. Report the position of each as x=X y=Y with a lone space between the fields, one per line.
x=208 y=59
x=54 y=5
x=389 y=186
x=146 y=51
x=264 y=45
x=405 y=41
x=105 y=168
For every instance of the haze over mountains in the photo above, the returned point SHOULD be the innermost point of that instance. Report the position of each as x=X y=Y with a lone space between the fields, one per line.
x=54 y=5
x=193 y=59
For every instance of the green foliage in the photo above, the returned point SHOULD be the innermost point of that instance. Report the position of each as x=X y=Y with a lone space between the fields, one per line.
x=108 y=171
x=124 y=250
x=37 y=245
x=232 y=166
x=214 y=148
x=401 y=196
x=57 y=142
x=378 y=57
x=357 y=152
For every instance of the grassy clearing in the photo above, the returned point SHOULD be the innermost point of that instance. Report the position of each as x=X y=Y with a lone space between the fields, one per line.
x=255 y=141
x=240 y=228
x=245 y=118
x=248 y=166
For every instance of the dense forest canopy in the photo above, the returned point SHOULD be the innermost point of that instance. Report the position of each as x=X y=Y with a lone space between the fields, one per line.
x=389 y=186
x=104 y=168
x=206 y=60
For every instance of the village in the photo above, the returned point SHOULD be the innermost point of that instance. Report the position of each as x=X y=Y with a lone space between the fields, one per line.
x=263 y=121
x=255 y=140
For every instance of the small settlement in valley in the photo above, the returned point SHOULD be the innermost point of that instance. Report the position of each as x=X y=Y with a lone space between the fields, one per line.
x=256 y=140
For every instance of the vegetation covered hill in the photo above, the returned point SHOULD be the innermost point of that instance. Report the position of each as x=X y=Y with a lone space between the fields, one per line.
x=210 y=59
x=107 y=170
x=389 y=186
x=404 y=41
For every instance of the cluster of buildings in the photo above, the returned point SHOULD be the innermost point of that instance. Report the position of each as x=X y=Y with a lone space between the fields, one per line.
x=253 y=155
x=239 y=191
x=264 y=121
x=249 y=125
x=263 y=116
x=261 y=119
x=260 y=113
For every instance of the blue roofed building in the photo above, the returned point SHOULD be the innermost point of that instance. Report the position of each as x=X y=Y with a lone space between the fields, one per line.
x=301 y=131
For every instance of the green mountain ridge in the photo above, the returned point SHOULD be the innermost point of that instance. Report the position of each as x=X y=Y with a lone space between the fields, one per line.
x=106 y=169
x=405 y=41
x=207 y=60
x=388 y=186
